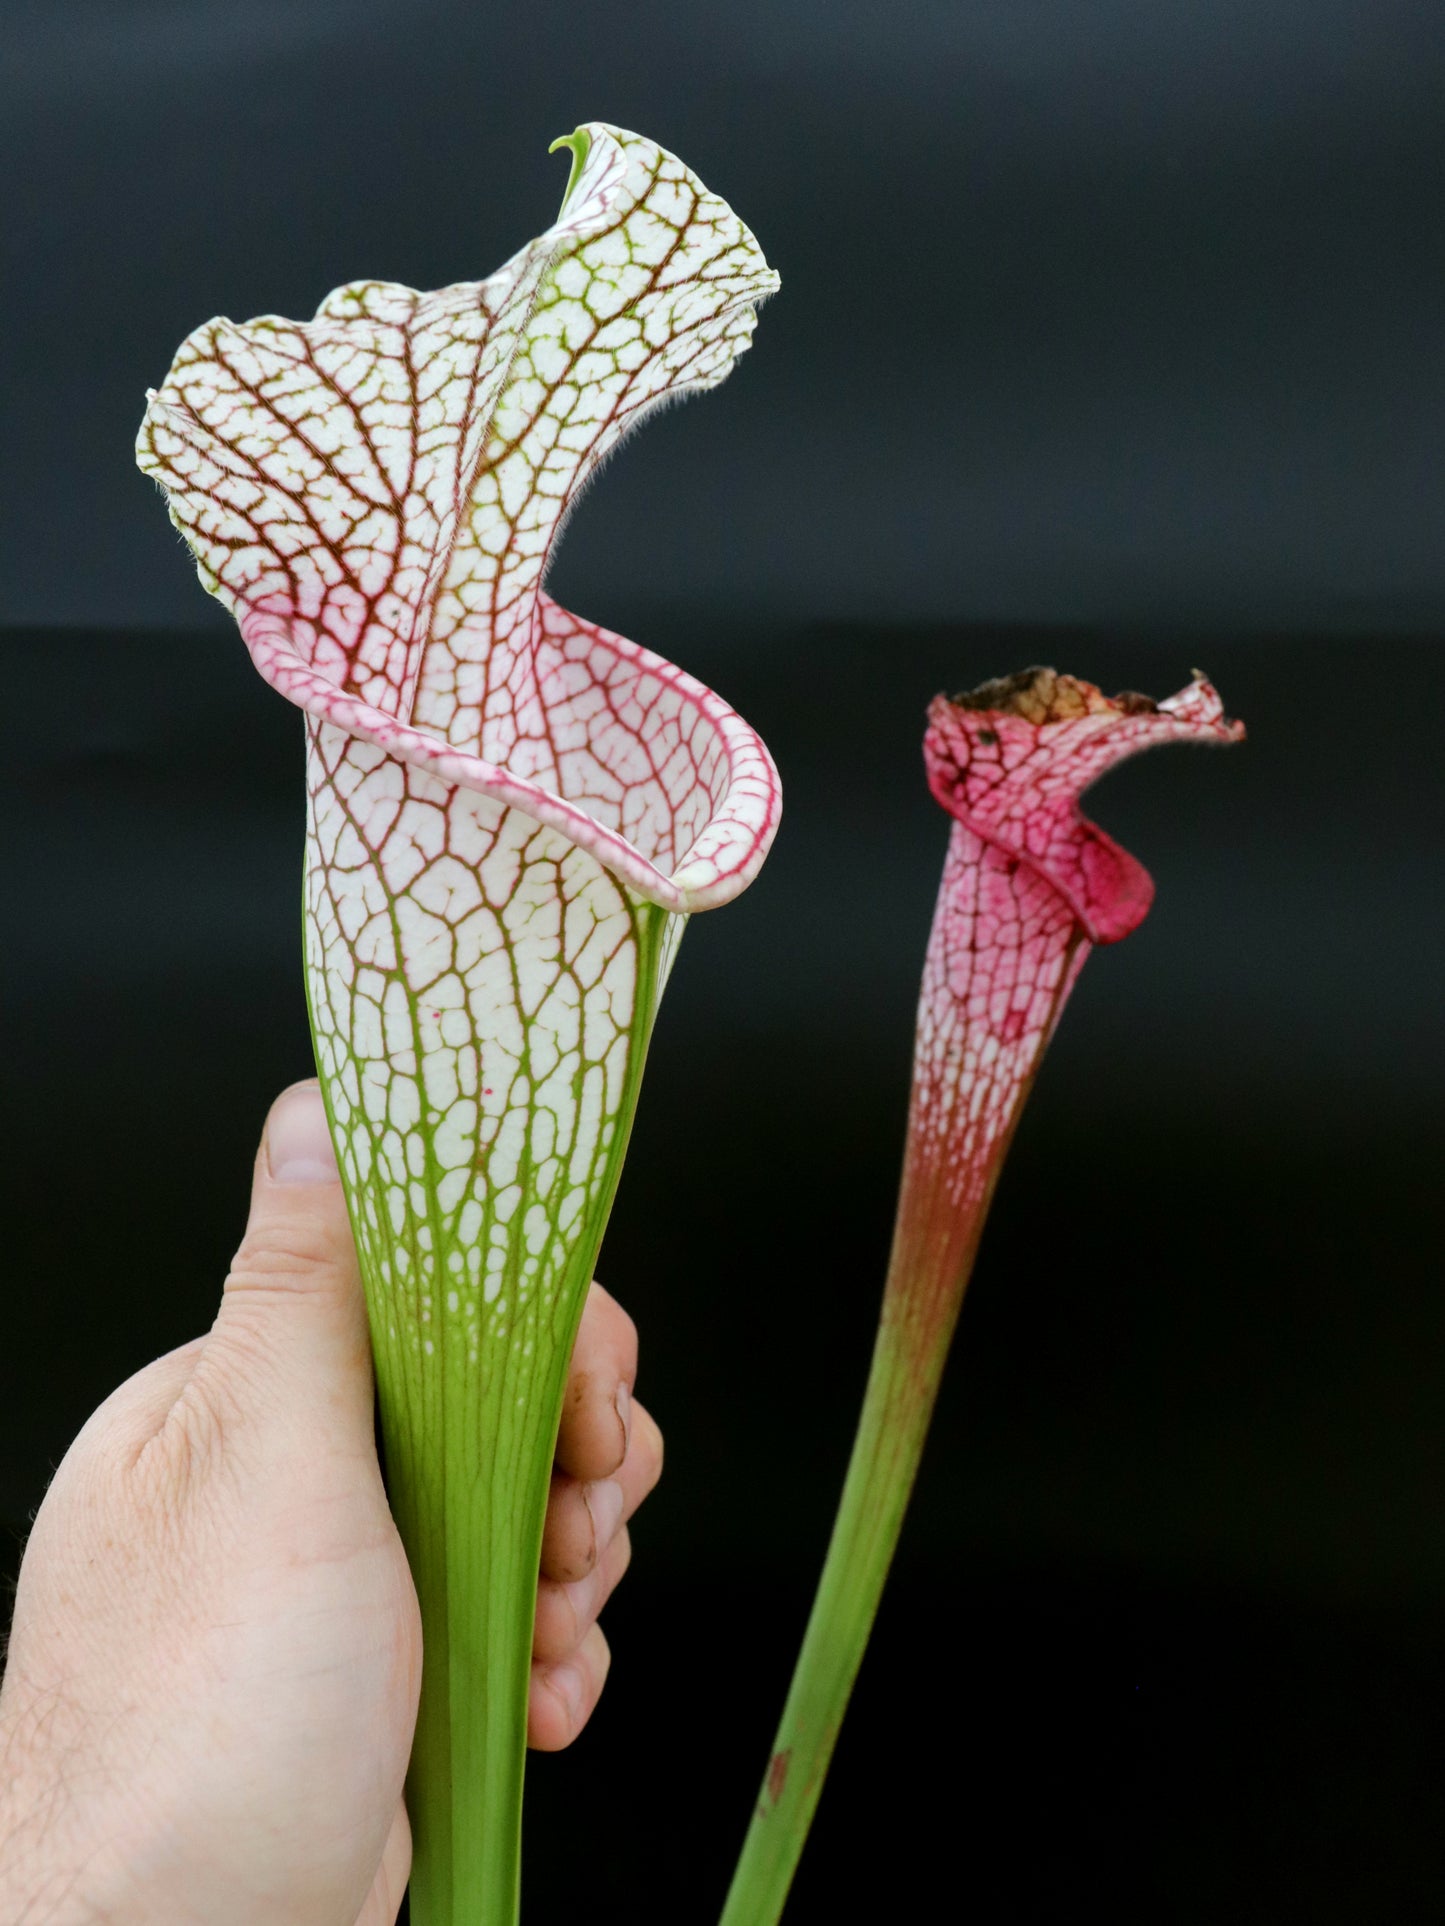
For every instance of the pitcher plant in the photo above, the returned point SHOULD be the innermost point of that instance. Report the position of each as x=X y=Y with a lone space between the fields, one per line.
x=511 y=814
x=1030 y=886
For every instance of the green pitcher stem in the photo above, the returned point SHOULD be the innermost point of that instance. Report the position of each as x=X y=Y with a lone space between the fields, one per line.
x=933 y=1253
x=469 y=1445
x=472 y=1527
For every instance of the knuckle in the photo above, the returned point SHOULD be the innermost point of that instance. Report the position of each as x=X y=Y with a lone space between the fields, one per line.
x=648 y=1442
x=575 y=1560
x=175 y=1463
x=544 y=1625
x=620 y=1558
x=624 y=1331
x=612 y=1325
x=569 y=1719
x=599 y=1661
x=570 y=1544
x=582 y=1608
x=298 y=1250
x=551 y=1722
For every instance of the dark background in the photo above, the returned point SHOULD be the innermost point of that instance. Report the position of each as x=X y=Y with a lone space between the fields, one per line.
x=1093 y=310
x=1109 y=336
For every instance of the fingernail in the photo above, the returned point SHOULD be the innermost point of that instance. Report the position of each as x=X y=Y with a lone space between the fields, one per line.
x=566 y=1681
x=623 y=1402
x=298 y=1143
x=604 y=1501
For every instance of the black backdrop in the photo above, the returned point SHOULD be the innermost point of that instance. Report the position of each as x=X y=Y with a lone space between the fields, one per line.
x=1092 y=310
x=1104 y=341
x=1165 y=1625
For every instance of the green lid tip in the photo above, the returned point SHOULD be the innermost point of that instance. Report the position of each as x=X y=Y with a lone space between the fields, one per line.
x=580 y=143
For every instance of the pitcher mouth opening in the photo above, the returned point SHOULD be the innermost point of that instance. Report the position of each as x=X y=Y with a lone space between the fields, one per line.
x=735 y=813
x=1041 y=695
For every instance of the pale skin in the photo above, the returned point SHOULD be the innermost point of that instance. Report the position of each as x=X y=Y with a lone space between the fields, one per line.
x=212 y=1677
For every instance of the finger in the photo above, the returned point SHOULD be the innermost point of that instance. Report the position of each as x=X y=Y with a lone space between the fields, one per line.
x=383 y=1902
x=583 y=1519
x=291 y=1331
x=567 y=1613
x=563 y=1697
x=595 y=1415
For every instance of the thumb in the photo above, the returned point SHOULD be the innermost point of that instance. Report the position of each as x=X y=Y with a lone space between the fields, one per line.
x=291 y=1332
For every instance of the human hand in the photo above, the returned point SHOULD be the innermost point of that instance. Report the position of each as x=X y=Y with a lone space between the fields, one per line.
x=213 y=1672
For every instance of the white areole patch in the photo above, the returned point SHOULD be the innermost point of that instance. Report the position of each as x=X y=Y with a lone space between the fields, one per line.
x=511 y=811
x=489 y=913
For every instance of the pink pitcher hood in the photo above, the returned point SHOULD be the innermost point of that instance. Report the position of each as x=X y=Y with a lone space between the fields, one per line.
x=1029 y=886
x=375 y=495
x=1011 y=759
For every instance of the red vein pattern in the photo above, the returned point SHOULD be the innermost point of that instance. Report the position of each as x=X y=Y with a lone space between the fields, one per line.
x=499 y=790
x=511 y=813
x=375 y=494
x=1029 y=886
